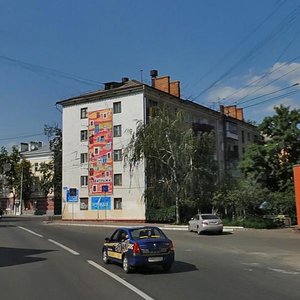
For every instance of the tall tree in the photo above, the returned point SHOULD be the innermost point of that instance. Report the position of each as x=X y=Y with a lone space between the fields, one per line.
x=272 y=162
x=54 y=134
x=179 y=163
x=46 y=181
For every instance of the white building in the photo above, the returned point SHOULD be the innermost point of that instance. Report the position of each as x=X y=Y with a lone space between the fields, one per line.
x=97 y=127
x=37 y=153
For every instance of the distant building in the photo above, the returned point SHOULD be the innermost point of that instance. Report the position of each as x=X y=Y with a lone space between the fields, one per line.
x=96 y=129
x=37 y=153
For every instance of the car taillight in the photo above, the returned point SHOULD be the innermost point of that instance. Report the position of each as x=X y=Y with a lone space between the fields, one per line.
x=136 y=248
x=171 y=246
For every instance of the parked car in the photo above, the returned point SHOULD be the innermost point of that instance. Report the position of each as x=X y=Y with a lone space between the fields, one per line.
x=206 y=223
x=139 y=246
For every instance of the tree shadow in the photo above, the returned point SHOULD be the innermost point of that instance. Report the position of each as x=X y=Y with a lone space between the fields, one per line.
x=18 y=256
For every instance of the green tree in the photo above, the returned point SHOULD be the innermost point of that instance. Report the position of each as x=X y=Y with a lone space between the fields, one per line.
x=46 y=181
x=240 y=197
x=180 y=168
x=23 y=181
x=54 y=134
x=271 y=163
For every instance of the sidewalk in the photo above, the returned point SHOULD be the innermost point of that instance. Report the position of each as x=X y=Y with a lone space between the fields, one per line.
x=56 y=220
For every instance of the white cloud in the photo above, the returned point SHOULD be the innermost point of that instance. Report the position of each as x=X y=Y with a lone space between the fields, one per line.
x=279 y=76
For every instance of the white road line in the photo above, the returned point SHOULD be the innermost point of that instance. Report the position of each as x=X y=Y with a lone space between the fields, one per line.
x=284 y=271
x=122 y=281
x=30 y=231
x=64 y=247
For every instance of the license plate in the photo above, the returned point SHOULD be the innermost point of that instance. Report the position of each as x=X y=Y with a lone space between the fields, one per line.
x=155 y=259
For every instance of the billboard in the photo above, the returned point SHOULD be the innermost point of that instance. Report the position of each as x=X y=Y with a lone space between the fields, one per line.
x=100 y=152
x=101 y=203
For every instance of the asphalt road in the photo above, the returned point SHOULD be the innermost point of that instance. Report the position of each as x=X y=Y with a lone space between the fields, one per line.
x=47 y=261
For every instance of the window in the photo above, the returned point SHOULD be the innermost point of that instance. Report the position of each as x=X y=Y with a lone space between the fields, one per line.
x=117 y=179
x=118 y=155
x=243 y=136
x=84 y=203
x=83 y=135
x=36 y=167
x=83 y=113
x=117 y=107
x=117 y=203
x=83 y=180
x=83 y=158
x=249 y=136
x=117 y=130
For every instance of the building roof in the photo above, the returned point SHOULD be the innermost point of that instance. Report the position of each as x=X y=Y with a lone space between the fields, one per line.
x=128 y=86
x=132 y=86
x=43 y=151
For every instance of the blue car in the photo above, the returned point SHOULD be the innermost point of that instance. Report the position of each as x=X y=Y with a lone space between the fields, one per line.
x=139 y=246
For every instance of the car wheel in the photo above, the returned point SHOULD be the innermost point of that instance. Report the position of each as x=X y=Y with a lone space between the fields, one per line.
x=126 y=266
x=105 y=256
x=167 y=267
x=190 y=228
x=220 y=231
x=198 y=230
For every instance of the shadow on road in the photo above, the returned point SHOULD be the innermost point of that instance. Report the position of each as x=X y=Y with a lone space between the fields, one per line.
x=18 y=256
x=178 y=267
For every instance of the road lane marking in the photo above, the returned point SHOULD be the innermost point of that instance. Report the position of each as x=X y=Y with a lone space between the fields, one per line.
x=284 y=271
x=64 y=247
x=30 y=231
x=122 y=281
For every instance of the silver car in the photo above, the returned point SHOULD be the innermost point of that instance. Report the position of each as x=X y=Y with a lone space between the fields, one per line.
x=206 y=223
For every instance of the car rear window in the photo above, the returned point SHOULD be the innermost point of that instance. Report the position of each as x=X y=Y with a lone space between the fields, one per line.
x=209 y=217
x=146 y=233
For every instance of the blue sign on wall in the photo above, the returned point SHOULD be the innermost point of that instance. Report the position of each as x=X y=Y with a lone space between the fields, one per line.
x=72 y=195
x=101 y=203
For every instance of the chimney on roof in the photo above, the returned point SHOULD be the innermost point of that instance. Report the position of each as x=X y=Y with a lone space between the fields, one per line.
x=125 y=79
x=234 y=112
x=23 y=147
x=164 y=84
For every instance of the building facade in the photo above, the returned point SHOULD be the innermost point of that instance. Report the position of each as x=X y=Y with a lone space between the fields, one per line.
x=96 y=129
x=37 y=153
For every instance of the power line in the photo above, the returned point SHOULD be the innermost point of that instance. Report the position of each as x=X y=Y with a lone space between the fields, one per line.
x=267 y=73
x=261 y=96
x=288 y=21
x=50 y=71
x=228 y=53
x=273 y=98
x=21 y=136
x=276 y=79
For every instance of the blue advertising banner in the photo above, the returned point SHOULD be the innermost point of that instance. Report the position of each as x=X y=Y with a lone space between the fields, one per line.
x=72 y=195
x=101 y=203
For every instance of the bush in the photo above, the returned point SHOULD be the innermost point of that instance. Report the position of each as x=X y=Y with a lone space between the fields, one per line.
x=161 y=215
x=254 y=222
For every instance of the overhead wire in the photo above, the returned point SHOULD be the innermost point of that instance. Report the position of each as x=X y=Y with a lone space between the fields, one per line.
x=290 y=19
x=50 y=71
x=253 y=83
x=21 y=136
x=276 y=79
x=271 y=93
x=232 y=50
x=273 y=98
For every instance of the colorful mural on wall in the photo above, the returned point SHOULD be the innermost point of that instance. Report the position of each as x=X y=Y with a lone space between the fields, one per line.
x=100 y=152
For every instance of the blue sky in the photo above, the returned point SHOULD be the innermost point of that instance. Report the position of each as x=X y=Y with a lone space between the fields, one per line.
x=223 y=52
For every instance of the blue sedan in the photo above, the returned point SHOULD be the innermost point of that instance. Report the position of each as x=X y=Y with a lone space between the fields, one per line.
x=139 y=246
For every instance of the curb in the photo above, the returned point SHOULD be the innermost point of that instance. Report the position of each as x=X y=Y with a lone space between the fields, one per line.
x=164 y=227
